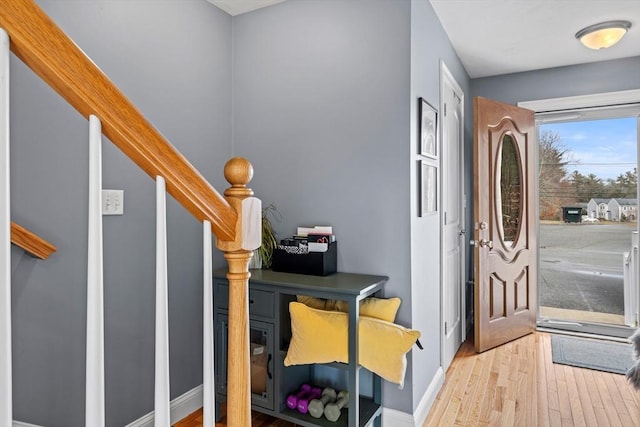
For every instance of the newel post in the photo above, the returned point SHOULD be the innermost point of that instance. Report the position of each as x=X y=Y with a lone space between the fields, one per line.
x=238 y=172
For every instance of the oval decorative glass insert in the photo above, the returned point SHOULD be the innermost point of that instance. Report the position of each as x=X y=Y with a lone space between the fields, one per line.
x=510 y=192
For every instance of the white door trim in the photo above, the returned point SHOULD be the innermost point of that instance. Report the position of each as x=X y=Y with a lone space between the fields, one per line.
x=582 y=101
x=447 y=80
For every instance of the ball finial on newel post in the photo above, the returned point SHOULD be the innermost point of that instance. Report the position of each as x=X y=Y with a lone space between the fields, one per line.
x=238 y=171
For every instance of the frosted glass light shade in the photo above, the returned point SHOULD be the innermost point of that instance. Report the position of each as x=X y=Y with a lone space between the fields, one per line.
x=603 y=35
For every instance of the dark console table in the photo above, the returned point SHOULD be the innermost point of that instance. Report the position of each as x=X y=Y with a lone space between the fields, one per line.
x=270 y=331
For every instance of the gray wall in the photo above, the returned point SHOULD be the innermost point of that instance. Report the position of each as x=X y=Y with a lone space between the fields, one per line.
x=429 y=46
x=584 y=79
x=322 y=100
x=321 y=108
x=325 y=105
x=173 y=59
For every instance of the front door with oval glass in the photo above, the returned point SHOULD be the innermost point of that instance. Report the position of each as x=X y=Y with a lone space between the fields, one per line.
x=504 y=216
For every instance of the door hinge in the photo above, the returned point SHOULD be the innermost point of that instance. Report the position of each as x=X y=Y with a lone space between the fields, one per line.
x=445 y=108
x=445 y=328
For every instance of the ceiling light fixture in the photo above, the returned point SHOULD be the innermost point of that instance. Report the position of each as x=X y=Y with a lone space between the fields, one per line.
x=603 y=35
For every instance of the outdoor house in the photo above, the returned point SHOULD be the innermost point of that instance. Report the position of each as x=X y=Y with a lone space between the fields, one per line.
x=623 y=209
x=613 y=209
x=322 y=97
x=597 y=208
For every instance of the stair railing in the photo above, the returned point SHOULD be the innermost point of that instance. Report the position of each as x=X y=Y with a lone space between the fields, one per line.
x=33 y=244
x=6 y=401
x=235 y=219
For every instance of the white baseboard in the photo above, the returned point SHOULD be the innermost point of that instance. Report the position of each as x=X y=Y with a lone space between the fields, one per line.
x=191 y=401
x=420 y=415
x=21 y=424
x=180 y=407
x=391 y=417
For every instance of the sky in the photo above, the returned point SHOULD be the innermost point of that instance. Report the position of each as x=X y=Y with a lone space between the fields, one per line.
x=606 y=148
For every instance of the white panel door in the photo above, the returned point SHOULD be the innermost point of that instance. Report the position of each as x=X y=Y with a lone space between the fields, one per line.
x=453 y=201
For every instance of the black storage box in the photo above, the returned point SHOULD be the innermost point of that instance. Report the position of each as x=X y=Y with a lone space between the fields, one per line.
x=314 y=263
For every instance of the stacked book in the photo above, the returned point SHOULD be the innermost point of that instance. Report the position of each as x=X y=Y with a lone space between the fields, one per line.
x=309 y=239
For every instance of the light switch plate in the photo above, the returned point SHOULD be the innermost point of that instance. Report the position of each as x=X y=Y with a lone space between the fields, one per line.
x=112 y=202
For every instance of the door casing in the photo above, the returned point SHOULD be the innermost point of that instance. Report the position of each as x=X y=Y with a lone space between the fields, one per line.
x=626 y=98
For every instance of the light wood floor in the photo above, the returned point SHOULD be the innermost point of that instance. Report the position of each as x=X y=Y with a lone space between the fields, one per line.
x=517 y=385
x=257 y=420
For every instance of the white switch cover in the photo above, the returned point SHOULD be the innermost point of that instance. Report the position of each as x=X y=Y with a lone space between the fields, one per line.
x=112 y=202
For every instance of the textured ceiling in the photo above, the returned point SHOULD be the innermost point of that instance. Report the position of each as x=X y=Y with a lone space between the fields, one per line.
x=495 y=37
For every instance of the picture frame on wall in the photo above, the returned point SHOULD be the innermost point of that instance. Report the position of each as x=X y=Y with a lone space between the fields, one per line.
x=428 y=188
x=428 y=130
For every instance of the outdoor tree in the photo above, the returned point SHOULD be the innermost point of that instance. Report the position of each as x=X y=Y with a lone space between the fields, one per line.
x=591 y=186
x=554 y=189
x=558 y=187
x=624 y=186
x=588 y=187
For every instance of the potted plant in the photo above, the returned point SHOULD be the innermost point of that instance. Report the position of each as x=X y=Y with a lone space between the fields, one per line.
x=263 y=256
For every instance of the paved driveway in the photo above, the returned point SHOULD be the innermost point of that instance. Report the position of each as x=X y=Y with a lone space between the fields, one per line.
x=581 y=265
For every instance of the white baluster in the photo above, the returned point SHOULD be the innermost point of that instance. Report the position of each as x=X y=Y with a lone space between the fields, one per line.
x=162 y=416
x=6 y=402
x=94 y=388
x=208 y=381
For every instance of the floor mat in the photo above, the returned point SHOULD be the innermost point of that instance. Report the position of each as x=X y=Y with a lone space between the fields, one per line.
x=589 y=353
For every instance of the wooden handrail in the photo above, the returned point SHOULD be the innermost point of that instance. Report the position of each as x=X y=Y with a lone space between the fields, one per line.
x=56 y=59
x=30 y=242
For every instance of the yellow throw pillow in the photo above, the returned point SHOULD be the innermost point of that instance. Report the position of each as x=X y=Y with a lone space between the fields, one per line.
x=380 y=308
x=320 y=336
x=332 y=304
x=319 y=303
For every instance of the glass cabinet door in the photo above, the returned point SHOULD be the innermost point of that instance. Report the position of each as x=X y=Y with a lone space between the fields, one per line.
x=261 y=360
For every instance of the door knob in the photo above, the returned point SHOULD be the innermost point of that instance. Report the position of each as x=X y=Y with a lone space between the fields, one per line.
x=484 y=243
